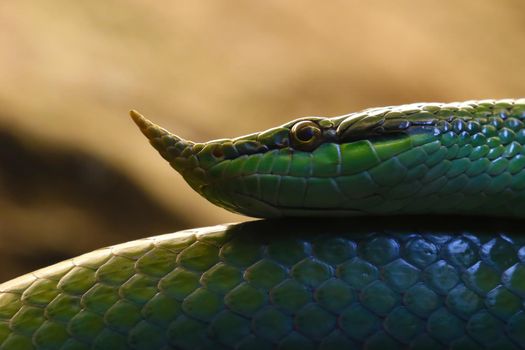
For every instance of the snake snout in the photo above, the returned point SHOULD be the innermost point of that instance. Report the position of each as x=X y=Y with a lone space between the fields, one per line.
x=174 y=149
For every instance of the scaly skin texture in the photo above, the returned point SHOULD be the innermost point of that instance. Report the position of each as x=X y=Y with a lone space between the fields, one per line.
x=458 y=158
x=407 y=283
x=327 y=284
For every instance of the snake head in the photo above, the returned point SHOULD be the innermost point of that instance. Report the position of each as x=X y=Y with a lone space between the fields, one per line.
x=243 y=174
x=289 y=170
x=213 y=168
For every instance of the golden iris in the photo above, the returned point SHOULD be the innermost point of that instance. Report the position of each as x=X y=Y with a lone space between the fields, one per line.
x=306 y=135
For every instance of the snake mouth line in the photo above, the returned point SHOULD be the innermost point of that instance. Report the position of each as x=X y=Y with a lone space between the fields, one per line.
x=282 y=210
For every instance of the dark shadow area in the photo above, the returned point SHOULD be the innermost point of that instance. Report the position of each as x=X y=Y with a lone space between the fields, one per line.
x=55 y=203
x=404 y=225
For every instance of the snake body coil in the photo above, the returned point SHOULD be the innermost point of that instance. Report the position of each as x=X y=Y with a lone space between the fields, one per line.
x=281 y=285
x=372 y=282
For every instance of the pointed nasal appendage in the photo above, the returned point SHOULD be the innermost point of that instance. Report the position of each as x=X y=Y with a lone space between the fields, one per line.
x=148 y=128
x=170 y=146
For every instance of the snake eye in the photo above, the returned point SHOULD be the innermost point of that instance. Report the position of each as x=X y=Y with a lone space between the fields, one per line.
x=306 y=135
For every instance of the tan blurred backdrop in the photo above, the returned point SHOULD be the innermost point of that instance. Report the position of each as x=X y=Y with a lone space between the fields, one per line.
x=75 y=174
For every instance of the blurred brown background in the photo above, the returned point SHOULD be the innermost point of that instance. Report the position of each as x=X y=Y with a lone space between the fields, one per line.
x=75 y=173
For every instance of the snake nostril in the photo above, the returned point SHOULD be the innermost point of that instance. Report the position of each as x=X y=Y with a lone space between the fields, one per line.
x=217 y=152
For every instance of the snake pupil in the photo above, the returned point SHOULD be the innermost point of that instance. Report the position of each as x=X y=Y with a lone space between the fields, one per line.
x=305 y=134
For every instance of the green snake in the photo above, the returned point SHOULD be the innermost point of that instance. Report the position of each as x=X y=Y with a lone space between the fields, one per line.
x=461 y=158
x=367 y=277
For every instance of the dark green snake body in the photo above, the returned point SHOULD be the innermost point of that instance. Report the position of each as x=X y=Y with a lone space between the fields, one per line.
x=343 y=284
x=418 y=282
